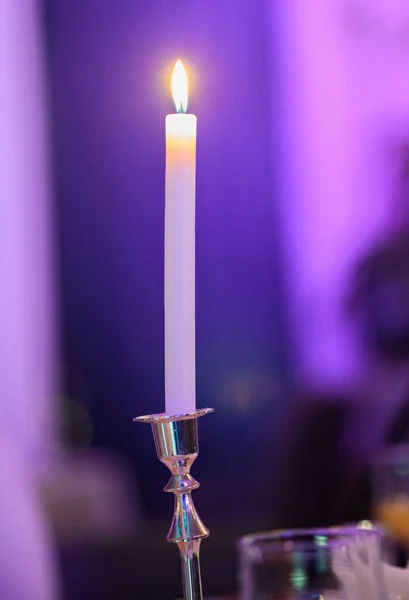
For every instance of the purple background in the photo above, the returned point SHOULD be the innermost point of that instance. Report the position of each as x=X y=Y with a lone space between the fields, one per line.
x=110 y=69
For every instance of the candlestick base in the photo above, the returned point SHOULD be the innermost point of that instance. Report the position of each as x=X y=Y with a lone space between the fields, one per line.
x=177 y=446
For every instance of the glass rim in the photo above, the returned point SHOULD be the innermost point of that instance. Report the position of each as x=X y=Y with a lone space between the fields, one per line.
x=302 y=536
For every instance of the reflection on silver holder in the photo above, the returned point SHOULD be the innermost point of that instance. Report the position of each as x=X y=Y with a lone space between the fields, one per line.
x=177 y=445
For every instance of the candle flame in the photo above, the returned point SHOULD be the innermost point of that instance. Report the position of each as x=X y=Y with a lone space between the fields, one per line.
x=179 y=87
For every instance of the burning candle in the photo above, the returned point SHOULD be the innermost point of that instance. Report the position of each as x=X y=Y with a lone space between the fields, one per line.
x=180 y=370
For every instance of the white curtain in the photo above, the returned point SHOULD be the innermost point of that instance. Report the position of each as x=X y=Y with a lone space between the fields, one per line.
x=340 y=99
x=26 y=308
x=27 y=394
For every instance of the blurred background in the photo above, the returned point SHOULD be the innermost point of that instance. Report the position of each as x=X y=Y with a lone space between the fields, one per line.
x=302 y=277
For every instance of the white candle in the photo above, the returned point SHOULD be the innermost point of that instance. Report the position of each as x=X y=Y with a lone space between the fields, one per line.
x=180 y=371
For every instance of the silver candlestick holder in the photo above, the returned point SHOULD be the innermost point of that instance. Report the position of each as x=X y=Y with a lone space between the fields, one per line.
x=177 y=445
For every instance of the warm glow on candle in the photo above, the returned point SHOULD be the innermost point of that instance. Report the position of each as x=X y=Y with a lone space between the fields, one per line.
x=179 y=87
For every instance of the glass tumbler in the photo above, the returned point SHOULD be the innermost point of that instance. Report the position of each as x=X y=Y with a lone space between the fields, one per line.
x=391 y=492
x=298 y=564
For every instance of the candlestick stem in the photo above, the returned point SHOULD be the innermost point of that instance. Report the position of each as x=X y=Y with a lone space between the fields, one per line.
x=191 y=577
